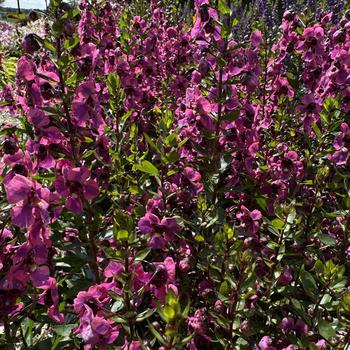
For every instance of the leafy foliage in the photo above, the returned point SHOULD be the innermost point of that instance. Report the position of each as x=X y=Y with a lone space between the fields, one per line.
x=169 y=187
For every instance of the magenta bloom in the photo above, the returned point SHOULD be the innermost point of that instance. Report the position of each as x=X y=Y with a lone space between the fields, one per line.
x=286 y=277
x=194 y=178
x=25 y=69
x=134 y=345
x=96 y=295
x=312 y=46
x=309 y=104
x=256 y=38
x=31 y=201
x=50 y=295
x=265 y=344
x=287 y=324
x=342 y=146
x=30 y=44
x=96 y=330
x=76 y=185
x=150 y=223
x=164 y=278
x=249 y=219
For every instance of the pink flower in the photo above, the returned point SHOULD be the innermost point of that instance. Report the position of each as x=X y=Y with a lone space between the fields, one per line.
x=342 y=146
x=96 y=330
x=309 y=104
x=286 y=277
x=164 y=278
x=30 y=199
x=30 y=44
x=287 y=324
x=249 y=219
x=134 y=345
x=256 y=38
x=25 y=69
x=198 y=322
x=321 y=344
x=150 y=223
x=75 y=185
x=113 y=269
x=194 y=178
x=50 y=295
x=265 y=343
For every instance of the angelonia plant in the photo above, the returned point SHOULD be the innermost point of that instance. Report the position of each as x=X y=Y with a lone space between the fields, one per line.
x=167 y=186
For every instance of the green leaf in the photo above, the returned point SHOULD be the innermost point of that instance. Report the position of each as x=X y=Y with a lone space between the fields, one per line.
x=57 y=27
x=231 y=116
x=156 y=333
x=308 y=281
x=141 y=255
x=186 y=340
x=113 y=83
x=169 y=313
x=224 y=289
x=317 y=131
x=171 y=157
x=330 y=104
x=147 y=167
x=345 y=303
x=145 y=314
x=151 y=143
x=223 y=7
x=49 y=46
x=117 y=306
x=326 y=329
x=326 y=239
x=262 y=203
x=122 y=235
x=171 y=140
x=278 y=223
x=186 y=309
x=71 y=43
x=64 y=330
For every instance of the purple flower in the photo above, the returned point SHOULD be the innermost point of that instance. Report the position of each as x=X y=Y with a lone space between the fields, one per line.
x=150 y=223
x=30 y=44
x=286 y=277
x=75 y=185
x=30 y=199
x=249 y=219
x=96 y=330
x=265 y=343
x=342 y=146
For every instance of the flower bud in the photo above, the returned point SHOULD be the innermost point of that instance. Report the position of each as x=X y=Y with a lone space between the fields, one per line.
x=68 y=27
x=30 y=44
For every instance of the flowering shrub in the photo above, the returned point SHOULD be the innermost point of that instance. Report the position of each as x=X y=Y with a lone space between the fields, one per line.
x=171 y=188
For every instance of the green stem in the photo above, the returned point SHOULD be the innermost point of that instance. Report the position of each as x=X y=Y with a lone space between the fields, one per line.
x=92 y=243
x=8 y=335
